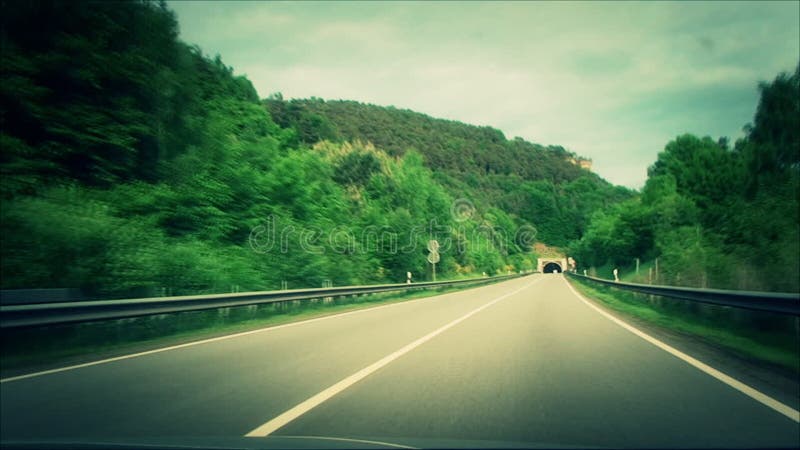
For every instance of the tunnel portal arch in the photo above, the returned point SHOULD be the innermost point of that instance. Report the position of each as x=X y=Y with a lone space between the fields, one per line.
x=552 y=267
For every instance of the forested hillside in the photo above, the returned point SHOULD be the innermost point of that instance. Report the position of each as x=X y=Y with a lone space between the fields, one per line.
x=542 y=186
x=716 y=215
x=133 y=164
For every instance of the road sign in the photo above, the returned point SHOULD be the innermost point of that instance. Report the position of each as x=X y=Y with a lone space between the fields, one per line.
x=433 y=257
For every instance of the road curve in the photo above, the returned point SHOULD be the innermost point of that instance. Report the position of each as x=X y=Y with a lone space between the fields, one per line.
x=522 y=361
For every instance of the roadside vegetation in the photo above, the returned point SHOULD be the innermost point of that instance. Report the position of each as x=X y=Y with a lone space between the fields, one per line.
x=714 y=214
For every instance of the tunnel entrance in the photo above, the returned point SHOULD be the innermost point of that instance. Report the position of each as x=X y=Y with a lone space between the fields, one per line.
x=552 y=264
x=551 y=267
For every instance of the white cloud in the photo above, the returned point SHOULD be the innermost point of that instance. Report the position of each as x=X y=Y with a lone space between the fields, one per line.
x=611 y=81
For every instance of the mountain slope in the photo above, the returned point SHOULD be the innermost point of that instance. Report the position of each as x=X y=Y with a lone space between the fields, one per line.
x=542 y=186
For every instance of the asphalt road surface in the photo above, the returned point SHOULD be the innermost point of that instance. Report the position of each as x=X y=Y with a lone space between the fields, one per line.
x=523 y=361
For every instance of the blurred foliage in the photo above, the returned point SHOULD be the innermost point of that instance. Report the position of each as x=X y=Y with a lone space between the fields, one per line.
x=715 y=216
x=132 y=164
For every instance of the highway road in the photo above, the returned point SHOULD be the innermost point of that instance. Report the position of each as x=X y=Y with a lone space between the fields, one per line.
x=523 y=361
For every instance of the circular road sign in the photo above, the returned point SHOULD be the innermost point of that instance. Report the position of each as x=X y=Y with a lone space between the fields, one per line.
x=433 y=257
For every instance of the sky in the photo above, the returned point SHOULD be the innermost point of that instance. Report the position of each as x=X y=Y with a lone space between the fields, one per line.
x=613 y=82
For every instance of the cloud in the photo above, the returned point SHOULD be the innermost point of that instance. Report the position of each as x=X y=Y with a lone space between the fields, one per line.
x=610 y=81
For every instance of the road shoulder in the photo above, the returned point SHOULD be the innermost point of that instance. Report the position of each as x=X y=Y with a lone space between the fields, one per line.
x=770 y=379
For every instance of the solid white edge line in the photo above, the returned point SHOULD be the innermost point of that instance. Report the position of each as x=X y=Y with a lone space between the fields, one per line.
x=209 y=340
x=293 y=413
x=760 y=397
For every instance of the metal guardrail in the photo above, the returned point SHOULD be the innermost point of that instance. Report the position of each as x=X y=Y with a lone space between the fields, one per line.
x=38 y=314
x=775 y=302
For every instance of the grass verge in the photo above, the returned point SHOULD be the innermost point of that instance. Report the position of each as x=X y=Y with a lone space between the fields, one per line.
x=763 y=337
x=41 y=348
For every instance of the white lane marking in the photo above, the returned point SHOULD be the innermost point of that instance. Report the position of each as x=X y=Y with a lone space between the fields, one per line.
x=209 y=340
x=762 y=398
x=293 y=413
x=360 y=441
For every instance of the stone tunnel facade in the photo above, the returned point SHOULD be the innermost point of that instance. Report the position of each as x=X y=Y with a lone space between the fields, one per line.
x=543 y=262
